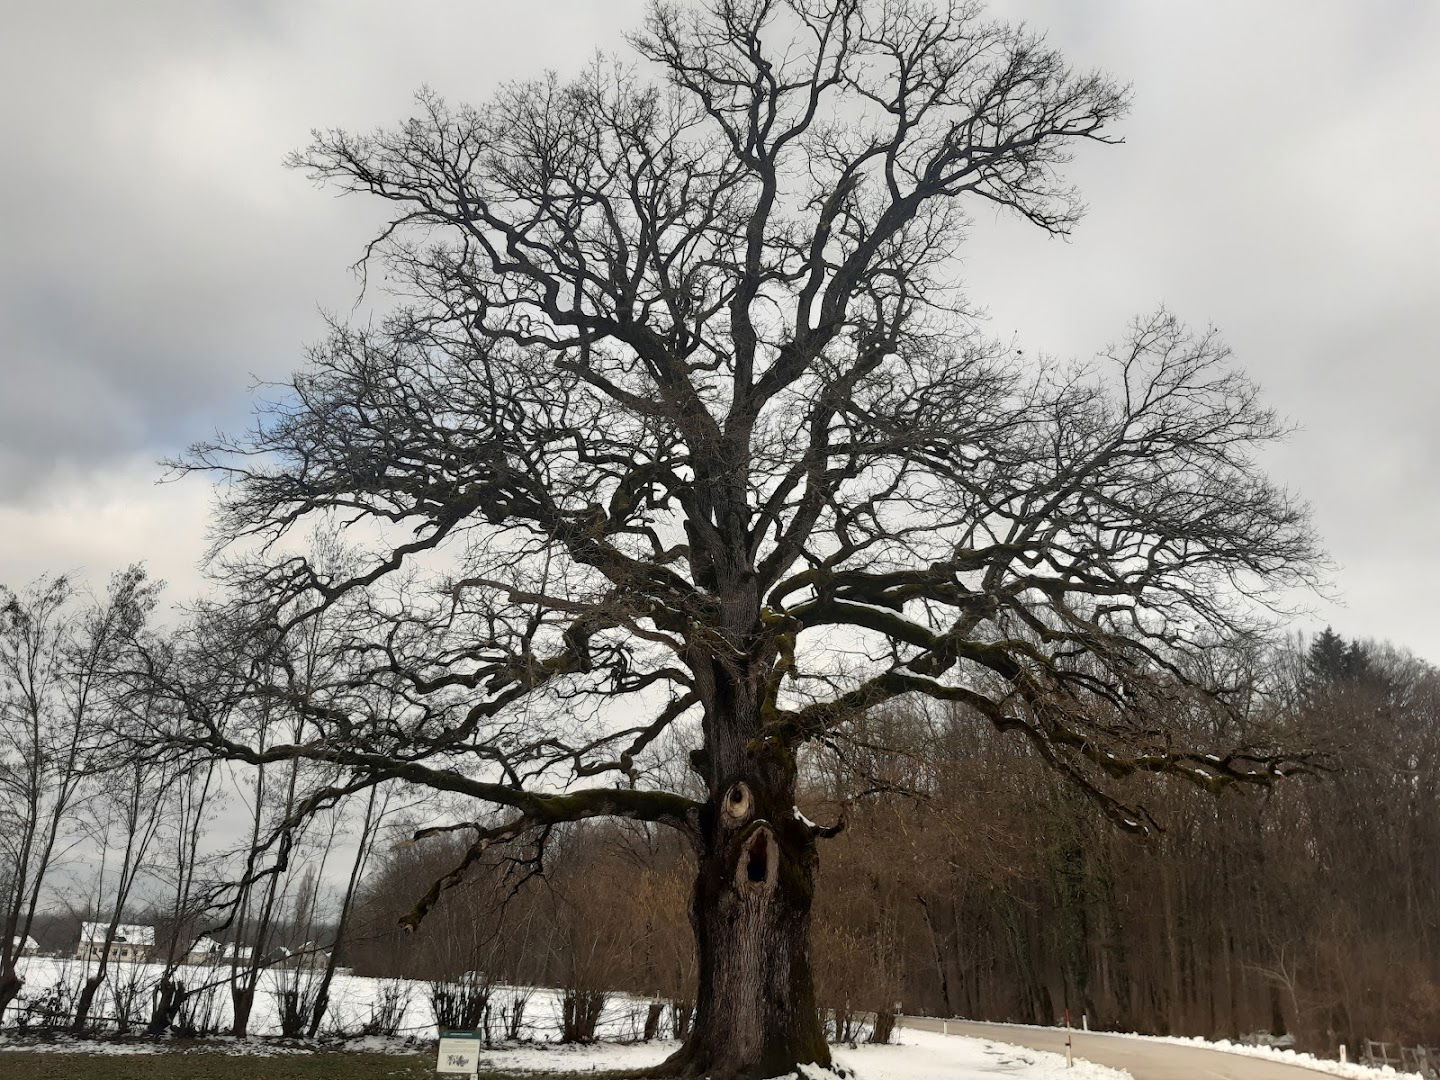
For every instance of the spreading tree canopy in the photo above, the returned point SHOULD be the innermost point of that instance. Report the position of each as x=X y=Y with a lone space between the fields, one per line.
x=680 y=435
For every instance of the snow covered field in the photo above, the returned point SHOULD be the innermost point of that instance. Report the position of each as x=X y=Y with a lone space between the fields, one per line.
x=354 y=1000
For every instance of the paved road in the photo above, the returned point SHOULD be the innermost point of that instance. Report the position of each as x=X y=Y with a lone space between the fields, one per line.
x=1143 y=1059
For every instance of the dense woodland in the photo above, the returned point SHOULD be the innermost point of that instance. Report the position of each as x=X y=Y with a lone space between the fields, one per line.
x=973 y=882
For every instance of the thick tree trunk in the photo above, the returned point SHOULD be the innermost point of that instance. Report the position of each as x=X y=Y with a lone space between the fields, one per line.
x=10 y=987
x=87 y=999
x=169 y=997
x=242 y=1000
x=755 y=1012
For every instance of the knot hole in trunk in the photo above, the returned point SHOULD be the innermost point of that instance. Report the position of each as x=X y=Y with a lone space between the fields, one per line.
x=738 y=803
x=759 y=862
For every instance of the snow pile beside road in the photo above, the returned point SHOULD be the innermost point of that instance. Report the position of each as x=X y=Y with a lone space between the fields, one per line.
x=928 y=1055
x=1349 y=1070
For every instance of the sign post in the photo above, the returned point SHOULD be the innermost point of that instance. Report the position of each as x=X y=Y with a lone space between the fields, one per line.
x=459 y=1052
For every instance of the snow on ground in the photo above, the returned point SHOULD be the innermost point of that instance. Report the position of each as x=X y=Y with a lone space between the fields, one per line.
x=353 y=998
x=597 y=1057
x=916 y=1055
x=1348 y=1070
x=928 y=1055
x=69 y=1044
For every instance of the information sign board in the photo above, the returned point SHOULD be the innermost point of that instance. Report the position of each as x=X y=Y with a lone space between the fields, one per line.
x=459 y=1052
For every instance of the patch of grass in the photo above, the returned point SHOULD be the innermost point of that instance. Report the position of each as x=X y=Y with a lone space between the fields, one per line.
x=324 y=1065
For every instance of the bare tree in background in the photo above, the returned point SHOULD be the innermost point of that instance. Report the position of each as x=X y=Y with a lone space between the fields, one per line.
x=257 y=897
x=376 y=806
x=130 y=807
x=58 y=651
x=681 y=425
x=191 y=816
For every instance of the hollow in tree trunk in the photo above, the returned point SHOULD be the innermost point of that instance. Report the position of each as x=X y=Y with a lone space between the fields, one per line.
x=755 y=1013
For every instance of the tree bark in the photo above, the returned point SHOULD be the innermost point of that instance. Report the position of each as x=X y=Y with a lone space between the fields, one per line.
x=242 y=1000
x=10 y=986
x=755 y=1012
x=939 y=954
x=169 y=997
x=87 y=999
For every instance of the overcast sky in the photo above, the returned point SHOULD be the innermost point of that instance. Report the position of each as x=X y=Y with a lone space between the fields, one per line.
x=1279 y=181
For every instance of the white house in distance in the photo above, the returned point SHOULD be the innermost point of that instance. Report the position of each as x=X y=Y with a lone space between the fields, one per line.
x=205 y=951
x=133 y=943
x=307 y=956
x=28 y=947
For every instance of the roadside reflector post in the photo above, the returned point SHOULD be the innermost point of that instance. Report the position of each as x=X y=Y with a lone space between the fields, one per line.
x=1343 y=1056
x=1069 y=1049
x=945 y=1027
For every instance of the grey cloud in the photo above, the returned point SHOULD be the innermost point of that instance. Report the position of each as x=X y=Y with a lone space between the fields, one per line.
x=157 y=255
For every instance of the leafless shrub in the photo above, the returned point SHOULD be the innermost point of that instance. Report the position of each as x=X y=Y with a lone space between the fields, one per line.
x=461 y=1004
x=512 y=1013
x=298 y=993
x=387 y=1012
x=130 y=992
x=199 y=1013
x=51 y=1006
x=580 y=1012
x=846 y=1024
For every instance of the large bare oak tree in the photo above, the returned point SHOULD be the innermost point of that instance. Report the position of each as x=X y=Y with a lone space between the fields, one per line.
x=680 y=436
